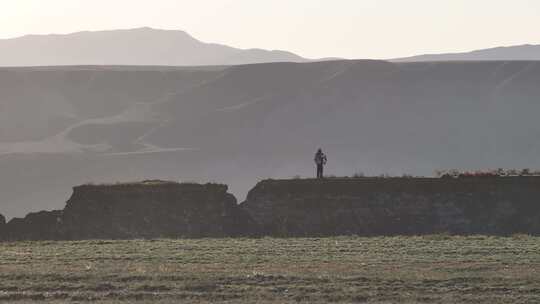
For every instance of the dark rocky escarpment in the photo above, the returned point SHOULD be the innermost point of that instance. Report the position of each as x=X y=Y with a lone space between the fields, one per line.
x=361 y=206
x=2 y=226
x=43 y=225
x=396 y=206
x=138 y=210
x=152 y=211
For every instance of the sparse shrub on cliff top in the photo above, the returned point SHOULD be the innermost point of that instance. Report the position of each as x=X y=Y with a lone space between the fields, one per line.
x=500 y=172
x=359 y=174
x=512 y=172
x=525 y=172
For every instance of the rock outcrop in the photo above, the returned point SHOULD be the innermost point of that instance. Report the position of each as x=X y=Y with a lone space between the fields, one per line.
x=152 y=209
x=44 y=225
x=2 y=226
x=396 y=206
x=353 y=206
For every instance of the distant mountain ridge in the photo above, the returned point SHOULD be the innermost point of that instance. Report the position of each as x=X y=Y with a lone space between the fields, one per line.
x=147 y=46
x=526 y=52
x=140 y=46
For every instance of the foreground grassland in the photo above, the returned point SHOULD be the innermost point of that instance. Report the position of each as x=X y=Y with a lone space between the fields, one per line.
x=433 y=269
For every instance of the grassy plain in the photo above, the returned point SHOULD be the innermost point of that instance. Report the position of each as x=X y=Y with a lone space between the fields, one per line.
x=430 y=269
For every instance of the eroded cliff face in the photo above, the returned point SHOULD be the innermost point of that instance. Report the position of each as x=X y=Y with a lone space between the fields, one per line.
x=165 y=210
x=396 y=206
x=139 y=210
x=361 y=206
x=2 y=226
x=43 y=225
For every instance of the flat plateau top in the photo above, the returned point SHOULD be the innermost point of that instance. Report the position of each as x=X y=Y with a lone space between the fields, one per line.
x=398 y=184
x=149 y=183
x=334 y=180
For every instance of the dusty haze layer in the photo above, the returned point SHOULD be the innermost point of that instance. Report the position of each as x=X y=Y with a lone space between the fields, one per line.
x=63 y=126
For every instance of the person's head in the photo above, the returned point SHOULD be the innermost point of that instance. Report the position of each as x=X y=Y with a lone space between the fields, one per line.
x=319 y=151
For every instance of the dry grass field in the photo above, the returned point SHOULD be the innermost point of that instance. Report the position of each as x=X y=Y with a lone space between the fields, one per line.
x=430 y=269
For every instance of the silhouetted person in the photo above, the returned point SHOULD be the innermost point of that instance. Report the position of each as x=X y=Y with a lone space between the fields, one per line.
x=320 y=161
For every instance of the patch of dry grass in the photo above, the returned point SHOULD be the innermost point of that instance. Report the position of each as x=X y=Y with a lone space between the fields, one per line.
x=432 y=269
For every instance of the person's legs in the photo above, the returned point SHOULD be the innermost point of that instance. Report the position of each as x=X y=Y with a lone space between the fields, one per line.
x=319 y=171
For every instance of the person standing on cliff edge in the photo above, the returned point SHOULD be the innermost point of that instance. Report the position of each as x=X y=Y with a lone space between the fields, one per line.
x=320 y=161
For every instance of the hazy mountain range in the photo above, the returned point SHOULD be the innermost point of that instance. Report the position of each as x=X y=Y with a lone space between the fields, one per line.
x=147 y=46
x=141 y=46
x=519 y=52
x=63 y=126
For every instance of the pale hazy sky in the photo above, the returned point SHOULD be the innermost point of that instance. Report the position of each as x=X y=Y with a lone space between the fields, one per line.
x=311 y=28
